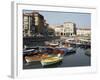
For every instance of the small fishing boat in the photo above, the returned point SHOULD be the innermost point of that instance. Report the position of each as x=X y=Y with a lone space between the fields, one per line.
x=51 y=60
x=67 y=50
x=35 y=58
x=28 y=51
x=88 y=52
x=32 y=59
x=71 y=50
x=53 y=44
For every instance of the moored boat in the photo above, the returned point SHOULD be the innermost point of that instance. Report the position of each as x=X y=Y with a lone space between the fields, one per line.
x=32 y=59
x=88 y=52
x=71 y=50
x=53 y=44
x=68 y=50
x=51 y=60
x=35 y=58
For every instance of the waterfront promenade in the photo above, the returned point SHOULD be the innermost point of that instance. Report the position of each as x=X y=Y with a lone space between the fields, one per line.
x=34 y=40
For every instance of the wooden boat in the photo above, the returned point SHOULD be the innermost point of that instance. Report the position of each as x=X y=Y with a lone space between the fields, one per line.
x=32 y=59
x=51 y=60
x=65 y=51
x=35 y=58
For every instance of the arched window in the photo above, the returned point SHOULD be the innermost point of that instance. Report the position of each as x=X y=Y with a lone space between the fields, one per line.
x=61 y=34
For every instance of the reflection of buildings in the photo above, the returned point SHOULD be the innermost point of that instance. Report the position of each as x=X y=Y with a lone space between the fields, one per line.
x=33 y=23
x=67 y=29
x=84 y=32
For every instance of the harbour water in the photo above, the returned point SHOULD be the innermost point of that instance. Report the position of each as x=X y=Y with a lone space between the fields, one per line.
x=77 y=59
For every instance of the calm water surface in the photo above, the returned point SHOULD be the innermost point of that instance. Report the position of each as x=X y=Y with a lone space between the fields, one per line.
x=71 y=60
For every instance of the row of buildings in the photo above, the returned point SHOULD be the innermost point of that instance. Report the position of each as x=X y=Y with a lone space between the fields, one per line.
x=35 y=24
x=69 y=29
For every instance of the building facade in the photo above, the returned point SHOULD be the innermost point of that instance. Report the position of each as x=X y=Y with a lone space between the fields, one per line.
x=39 y=22
x=33 y=23
x=84 y=32
x=67 y=29
x=59 y=30
x=28 y=24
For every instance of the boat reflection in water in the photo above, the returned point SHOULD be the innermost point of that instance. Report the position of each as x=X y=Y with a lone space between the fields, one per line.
x=53 y=65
